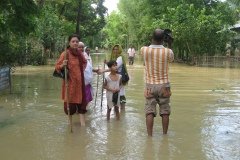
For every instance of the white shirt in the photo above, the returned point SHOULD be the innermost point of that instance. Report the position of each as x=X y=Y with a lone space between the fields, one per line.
x=131 y=52
x=88 y=73
x=119 y=63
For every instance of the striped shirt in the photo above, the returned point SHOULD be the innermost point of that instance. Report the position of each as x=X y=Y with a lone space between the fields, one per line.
x=156 y=60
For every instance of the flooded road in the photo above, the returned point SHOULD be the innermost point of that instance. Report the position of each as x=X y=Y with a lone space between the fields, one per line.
x=204 y=124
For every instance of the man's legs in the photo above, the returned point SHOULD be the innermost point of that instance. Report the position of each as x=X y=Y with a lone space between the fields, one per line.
x=165 y=123
x=149 y=123
x=108 y=113
x=130 y=60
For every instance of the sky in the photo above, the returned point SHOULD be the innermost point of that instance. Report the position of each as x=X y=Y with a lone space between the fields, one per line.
x=111 y=5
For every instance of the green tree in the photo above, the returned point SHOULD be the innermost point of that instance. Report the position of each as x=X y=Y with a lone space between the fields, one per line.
x=90 y=16
x=199 y=27
x=116 y=30
x=32 y=28
x=16 y=22
x=51 y=29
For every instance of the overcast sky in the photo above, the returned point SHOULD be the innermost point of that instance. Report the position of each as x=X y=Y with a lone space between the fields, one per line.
x=111 y=5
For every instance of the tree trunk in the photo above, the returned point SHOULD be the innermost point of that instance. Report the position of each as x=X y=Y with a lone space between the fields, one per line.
x=79 y=18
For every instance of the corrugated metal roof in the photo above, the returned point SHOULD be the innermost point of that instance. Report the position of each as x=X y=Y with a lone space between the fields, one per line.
x=235 y=27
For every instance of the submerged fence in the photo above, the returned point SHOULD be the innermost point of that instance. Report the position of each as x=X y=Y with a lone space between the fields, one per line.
x=5 y=78
x=218 y=61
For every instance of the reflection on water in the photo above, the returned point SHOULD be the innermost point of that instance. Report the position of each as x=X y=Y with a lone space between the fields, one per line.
x=204 y=123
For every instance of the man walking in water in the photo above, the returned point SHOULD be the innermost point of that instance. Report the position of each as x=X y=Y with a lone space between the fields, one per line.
x=131 y=55
x=157 y=89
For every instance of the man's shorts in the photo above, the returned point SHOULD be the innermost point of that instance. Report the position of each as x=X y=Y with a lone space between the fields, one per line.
x=131 y=58
x=154 y=94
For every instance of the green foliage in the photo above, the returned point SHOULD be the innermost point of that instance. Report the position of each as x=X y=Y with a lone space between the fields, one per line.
x=116 y=29
x=199 y=27
x=51 y=28
x=200 y=31
x=16 y=22
x=34 y=30
x=18 y=15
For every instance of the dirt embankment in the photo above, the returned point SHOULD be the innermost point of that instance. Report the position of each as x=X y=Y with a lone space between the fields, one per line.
x=31 y=69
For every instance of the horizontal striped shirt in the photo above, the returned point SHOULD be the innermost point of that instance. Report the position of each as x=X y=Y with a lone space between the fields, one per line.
x=156 y=60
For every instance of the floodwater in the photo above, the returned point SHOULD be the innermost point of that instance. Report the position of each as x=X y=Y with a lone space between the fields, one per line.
x=204 y=124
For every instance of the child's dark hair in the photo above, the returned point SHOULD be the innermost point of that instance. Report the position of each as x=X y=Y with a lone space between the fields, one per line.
x=111 y=63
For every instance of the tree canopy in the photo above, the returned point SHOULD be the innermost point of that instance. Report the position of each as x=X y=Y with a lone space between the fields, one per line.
x=34 y=30
x=199 y=27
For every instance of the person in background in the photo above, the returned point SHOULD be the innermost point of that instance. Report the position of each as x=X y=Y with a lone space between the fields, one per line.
x=117 y=56
x=76 y=64
x=157 y=88
x=96 y=49
x=113 y=84
x=131 y=54
x=88 y=73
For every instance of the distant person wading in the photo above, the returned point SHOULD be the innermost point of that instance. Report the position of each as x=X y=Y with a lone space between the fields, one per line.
x=131 y=55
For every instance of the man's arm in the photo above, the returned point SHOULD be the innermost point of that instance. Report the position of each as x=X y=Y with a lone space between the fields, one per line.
x=171 y=56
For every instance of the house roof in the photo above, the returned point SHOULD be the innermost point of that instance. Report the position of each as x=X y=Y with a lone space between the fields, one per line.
x=235 y=27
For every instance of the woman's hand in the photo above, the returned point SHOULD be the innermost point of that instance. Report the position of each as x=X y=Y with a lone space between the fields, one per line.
x=101 y=71
x=64 y=63
x=115 y=90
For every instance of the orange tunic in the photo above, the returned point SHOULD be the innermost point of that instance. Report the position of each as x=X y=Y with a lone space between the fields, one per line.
x=75 y=78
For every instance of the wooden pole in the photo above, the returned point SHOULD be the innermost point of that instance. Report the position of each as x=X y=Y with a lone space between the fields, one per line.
x=66 y=90
x=102 y=84
x=96 y=91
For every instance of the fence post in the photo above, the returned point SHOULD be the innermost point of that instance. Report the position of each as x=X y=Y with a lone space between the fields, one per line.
x=5 y=78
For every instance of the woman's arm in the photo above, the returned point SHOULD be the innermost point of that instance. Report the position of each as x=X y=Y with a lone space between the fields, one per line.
x=103 y=70
x=84 y=61
x=61 y=62
x=119 y=61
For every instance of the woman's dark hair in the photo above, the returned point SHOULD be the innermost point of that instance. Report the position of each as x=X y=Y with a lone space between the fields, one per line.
x=72 y=36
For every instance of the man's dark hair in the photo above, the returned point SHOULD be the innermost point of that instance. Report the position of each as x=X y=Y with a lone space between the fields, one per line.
x=111 y=63
x=158 y=35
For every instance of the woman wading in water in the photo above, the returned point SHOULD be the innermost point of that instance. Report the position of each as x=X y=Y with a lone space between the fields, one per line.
x=76 y=63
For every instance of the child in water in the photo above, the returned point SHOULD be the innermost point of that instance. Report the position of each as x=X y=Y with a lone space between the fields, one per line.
x=113 y=84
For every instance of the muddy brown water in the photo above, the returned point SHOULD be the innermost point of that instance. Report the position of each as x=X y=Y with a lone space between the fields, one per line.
x=204 y=124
